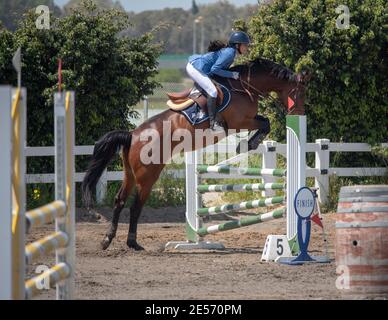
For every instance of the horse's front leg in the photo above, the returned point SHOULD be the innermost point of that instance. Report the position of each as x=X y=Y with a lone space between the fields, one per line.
x=259 y=123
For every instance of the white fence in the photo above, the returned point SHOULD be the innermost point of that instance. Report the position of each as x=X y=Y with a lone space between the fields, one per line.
x=269 y=149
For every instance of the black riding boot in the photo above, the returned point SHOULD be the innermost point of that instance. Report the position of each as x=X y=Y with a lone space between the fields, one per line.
x=211 y=109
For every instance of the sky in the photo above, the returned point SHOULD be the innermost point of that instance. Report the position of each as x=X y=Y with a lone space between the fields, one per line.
x=141 y=5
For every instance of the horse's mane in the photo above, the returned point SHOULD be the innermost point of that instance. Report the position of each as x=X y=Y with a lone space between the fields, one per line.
x=261 y=64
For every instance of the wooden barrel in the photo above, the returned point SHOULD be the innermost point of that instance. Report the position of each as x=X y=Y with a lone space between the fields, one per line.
x=362 y=240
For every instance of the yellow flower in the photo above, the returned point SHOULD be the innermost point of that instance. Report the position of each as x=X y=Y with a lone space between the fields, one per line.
x=36 y=195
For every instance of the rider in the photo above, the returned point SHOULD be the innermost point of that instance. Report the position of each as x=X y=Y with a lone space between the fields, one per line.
x=201 y=67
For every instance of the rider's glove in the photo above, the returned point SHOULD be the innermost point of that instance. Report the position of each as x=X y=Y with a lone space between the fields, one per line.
x=236 y=75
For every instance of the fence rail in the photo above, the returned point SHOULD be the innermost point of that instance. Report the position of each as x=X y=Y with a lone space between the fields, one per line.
x=269 y=150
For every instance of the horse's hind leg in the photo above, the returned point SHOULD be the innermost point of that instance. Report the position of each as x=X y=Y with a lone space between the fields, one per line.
x=120 y=199
x=141 y=196
x=145 y=179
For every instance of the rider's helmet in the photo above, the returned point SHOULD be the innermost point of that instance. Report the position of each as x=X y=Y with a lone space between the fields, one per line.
x=239 y=37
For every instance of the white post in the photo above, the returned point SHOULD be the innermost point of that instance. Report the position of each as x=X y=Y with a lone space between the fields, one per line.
x=193 y=221
x=69 y=286
x=322 y=163
x=6 y=194
x=101 y=187
x=269 y=162
x=64 y=185
x=296 y=172
x=19 y=124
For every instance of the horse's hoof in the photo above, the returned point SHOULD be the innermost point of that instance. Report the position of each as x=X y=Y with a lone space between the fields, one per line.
x=134 y=245
x=105 y=243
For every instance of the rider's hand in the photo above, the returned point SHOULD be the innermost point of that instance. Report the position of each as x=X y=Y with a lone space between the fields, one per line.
x=236 y=75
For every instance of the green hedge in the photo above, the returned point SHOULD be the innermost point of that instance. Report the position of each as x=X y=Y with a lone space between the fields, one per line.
x=347 y=95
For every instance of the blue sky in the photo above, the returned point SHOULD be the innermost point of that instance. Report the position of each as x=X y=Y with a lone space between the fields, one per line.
x=141 y=5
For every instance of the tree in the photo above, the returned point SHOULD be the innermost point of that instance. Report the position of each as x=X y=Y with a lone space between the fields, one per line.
x=7 y=73
x=101 y=4
x=194 y=8
x=347 y=95
x=109 y=73
x=12 y=10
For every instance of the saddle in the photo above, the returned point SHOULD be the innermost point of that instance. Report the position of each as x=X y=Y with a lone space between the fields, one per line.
x=181 y=100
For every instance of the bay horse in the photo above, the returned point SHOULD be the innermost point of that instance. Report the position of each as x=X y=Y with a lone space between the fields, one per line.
x=257 y=78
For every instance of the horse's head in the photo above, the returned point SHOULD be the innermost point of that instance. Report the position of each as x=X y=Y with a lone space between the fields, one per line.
x=266 y=76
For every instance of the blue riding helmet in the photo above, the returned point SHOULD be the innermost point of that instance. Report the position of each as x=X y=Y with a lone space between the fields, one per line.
x=239 y=37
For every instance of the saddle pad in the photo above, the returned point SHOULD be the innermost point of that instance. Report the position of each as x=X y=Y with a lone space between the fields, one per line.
x=194 y=113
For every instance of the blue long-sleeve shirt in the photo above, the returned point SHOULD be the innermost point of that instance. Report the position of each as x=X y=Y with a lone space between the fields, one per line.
x=214 y=63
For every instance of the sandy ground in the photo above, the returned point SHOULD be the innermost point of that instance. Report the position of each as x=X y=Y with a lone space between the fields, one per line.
x=234 y=273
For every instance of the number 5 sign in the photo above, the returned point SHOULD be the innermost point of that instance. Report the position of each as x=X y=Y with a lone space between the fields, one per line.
x=275 y=246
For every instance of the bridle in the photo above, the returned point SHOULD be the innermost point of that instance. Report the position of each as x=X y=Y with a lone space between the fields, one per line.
x=244 y=89
x=247 y=86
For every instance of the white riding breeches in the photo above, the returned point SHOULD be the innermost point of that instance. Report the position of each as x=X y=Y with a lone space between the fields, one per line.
x=203 y=81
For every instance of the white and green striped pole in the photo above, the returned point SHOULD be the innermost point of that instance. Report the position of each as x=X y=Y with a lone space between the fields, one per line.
x=225 y=169
x=243 y=222
x=202 y=188
x=241 y=206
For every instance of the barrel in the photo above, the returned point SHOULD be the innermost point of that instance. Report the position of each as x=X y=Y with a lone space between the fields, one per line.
x=362 y=240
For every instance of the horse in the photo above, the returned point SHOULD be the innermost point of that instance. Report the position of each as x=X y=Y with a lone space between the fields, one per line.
x=257 y=79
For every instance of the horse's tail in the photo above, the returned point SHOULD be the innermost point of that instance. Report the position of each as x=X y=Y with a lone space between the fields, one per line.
x=104 y=150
